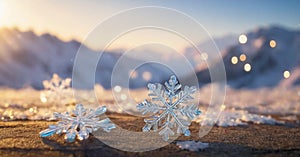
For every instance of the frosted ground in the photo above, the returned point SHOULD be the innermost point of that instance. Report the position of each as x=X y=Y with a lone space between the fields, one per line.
x=241 y=107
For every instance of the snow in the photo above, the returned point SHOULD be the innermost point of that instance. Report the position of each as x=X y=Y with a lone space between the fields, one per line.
x=241 y=107
x=237 y=118
x=192 y=145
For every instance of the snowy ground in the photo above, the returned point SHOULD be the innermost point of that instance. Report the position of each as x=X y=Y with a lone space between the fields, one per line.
x=240 y=107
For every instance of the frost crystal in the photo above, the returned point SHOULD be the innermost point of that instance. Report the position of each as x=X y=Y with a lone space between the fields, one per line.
x=79 y=124
x=57 y=89
x=171 y=111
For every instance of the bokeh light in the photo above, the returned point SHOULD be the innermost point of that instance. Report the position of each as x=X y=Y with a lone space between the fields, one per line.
x=234 y=60
x=286 y=74
x=133 y=74
x=243 y=39
x=272 y=43
x=204 y=56
x=247 y=67
x=118 y=88
x=147 y=76
x=243 y=57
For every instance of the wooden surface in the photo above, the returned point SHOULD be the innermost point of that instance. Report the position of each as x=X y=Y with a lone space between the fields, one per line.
x=21 y=138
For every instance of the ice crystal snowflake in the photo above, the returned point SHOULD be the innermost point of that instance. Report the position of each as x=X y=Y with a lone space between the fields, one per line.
x=79 y=124
x=57 y=89
x=172 y=111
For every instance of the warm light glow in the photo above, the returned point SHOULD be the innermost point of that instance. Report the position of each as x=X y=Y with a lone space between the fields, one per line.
x=247 y=67
x=243 y=57
x=286 y=74
x=147 y=76
x=272 y=43
x=234 y=60
x=243 y=39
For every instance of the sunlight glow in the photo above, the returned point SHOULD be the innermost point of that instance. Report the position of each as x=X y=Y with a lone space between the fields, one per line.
x=243 y=39
x=2 y=12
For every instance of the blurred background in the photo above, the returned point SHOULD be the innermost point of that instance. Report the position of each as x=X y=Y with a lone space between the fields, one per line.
x=258 y=40
x=259 y=43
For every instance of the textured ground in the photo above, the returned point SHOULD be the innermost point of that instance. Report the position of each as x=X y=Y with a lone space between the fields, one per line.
x=20 y=138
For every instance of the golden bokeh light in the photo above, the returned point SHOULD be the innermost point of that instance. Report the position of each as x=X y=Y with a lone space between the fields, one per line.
x=234 y=60
x=272 y=43
x=247 y=67
x=243 y=39
x=243 y=57
x=286 y=74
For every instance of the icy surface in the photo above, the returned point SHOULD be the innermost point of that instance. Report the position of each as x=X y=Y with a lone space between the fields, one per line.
x=240 y=107
x=237 y=117
x=79 y=124
x=192 y=145
x=170 y=108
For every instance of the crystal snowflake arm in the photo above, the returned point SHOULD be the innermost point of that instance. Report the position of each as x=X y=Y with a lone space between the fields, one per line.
x=53 y=129
x=156 y=92
x=148 y=107
x=182 y=125
x=166 y=132
x=172 y=86
x=106 y=125
x=153 y=122
x=185 y=95
x=190 y=111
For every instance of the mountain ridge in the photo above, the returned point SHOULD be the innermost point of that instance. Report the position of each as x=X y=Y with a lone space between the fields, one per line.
x=26 y=59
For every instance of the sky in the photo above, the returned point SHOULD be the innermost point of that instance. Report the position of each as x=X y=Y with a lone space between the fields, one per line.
x=74 y=19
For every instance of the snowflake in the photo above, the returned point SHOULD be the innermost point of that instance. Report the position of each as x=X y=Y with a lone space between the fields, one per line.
x=173 y=110
x=57 y=89
x=81 y=123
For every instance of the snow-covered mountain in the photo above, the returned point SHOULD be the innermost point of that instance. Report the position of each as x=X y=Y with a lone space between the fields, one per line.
x=27 y=59
x=270 y=51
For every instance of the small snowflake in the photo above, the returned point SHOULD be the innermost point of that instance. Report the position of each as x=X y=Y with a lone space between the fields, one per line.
x=81 y=123
x=172 y=111
x=57 y=89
